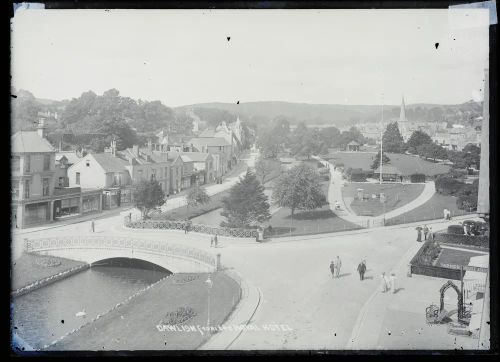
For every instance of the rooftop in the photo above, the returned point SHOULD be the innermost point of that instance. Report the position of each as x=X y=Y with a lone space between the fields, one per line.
x=30 y=142
x=209 y=141
x=109 y=162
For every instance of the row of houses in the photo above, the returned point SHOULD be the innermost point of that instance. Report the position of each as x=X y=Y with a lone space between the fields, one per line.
x=49 y=185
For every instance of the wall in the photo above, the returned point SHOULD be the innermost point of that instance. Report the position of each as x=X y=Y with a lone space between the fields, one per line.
x=92 y=176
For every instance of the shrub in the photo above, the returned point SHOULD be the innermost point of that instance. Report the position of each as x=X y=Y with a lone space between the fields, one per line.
x=448 y=186
x=481 y=241
x=417 y=177
x=358 y=176
x=456 y=229
x=181 y=315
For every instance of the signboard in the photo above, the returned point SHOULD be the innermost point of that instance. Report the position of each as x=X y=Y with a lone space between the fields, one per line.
x=466 y=267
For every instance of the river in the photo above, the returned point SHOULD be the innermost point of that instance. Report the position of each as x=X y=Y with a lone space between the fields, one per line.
x=48 y=313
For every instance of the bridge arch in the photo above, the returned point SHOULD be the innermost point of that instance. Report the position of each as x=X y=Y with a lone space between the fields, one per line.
x=129 y=262
x=91 y=249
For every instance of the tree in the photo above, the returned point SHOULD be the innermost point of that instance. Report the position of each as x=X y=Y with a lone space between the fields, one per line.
x=197 y=196
x=246 y=205
x=299 y=188
x=265 y=167
x=25 y=110
x=330 y=136
x=393 y=141
x=418 y=138
x=432 y=151
x=467 y=197
x=376 y=161
x=148 y=195
x=469 y=157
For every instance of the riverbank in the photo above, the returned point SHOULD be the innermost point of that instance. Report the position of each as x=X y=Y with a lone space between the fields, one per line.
x=135 y=325
x=30 y=268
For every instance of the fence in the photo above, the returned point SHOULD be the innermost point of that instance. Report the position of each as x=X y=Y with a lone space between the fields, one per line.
x=114 y=242
x=432 y=214
x=182 y=225
x=283 y=231
x=419 y=264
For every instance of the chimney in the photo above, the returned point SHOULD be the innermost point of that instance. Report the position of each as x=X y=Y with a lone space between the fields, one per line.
x=113 y=146
x=135 y=150
x=41 y=128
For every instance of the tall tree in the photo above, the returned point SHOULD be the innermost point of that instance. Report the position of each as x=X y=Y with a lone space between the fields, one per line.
x=393 y=141
x=432 y=151
x=265 y=167
x=299 y=188
x=376 y=160
x=148 y=195
x=25 y=110
x=418 y=138
x=246 y=205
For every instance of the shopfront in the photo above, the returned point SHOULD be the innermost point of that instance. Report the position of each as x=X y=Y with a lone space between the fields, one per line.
x=126 y=196
x=66 y=207
x=36 y=213
x=90 y=203
x=111 y=199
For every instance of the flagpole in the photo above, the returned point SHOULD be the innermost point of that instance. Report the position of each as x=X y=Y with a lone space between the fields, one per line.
x=381 y=139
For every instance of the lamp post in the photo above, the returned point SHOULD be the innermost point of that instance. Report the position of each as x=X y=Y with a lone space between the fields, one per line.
x=209 y=285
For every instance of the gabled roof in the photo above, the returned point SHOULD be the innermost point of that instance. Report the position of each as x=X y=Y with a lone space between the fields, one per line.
x=207 y=133
x=109 y=162
x=30 y=142
x=212 y=141
x=71 y=156
x=196 y=156
x=388 y=170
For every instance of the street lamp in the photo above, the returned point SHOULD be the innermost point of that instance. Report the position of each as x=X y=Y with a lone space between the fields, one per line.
x=209 y=285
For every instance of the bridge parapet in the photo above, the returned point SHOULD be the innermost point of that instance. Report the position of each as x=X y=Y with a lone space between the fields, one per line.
x=98 y=244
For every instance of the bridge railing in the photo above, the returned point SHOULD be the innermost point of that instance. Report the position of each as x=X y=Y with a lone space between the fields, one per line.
x=181 y=225
x=118 y=242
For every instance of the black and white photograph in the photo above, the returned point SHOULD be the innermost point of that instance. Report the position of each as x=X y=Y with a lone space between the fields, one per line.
x=206 y=180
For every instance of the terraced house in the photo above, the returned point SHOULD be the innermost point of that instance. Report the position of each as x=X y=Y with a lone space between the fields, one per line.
x=38 y=196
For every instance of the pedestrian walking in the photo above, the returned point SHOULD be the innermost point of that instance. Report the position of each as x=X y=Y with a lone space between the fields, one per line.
x=445 y=214
x=361 y=270
x=92 y=226
x=338 y=265
x=212 y=241
x=393 y=282
x=426 y=231
x=384 y=283
x=216 y=241
x=431 y=234
x=332 y=269
x=419 y=233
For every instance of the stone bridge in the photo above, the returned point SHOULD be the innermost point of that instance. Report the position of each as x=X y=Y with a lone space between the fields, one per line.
x=91 y=249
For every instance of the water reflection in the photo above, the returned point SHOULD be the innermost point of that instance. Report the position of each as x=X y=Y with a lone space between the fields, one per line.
x=46 y=314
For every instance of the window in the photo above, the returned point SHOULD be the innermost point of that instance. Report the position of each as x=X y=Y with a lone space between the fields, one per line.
x=16 y=163
x=27 y=189
x=166 y=172
x=27 y=163
x=153 y=174
x=15 y=190
x=87 y=163
x=77 y=181
x=139 y=174
x=46 y=162
x=117 y=179
x=46 y=191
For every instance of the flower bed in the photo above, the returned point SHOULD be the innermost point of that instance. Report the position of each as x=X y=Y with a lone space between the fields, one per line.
x=183 y=279
x=48 y=262
x=181 y=315
x=423 y=263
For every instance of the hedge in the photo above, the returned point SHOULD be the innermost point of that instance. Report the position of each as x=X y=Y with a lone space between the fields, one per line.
x=448 y=186
x=481 y=241
x=417 y=177
x=456 y=229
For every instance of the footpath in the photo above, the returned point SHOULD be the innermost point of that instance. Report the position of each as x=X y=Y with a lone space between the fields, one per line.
x=345 y=212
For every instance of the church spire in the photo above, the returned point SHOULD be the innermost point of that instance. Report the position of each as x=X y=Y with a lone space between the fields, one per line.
x=402 y=114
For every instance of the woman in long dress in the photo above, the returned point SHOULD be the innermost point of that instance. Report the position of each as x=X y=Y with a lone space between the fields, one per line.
x=384 y=283
x=419 y=235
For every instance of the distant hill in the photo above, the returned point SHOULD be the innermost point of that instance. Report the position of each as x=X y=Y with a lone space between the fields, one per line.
x=340 y=115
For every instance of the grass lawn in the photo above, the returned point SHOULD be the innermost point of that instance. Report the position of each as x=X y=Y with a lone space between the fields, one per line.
x=25 y=270
x=396 y=195
x=407 y=164
x=456 y=257
x=432 y=209
x=321 y=220
x=137 y=329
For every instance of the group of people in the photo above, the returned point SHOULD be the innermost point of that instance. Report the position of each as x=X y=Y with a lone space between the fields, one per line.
x=335 y=267
x=214 y=241
x=425 y=230
x=389 y=282
x=336 y=264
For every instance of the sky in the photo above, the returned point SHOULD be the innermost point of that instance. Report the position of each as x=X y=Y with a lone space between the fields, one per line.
x=183 y=57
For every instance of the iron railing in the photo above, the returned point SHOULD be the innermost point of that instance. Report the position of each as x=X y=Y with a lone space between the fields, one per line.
x=118 y=242
x=199 y=228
